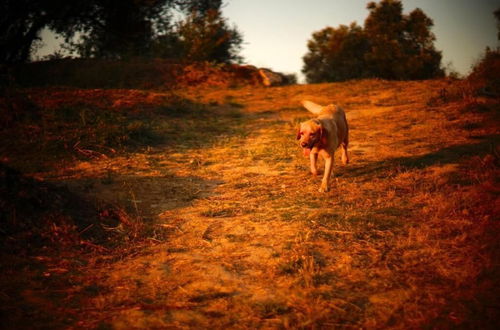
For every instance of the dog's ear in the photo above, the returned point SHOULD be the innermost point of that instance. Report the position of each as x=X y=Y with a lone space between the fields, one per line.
x=323 y=135
x=320 y=126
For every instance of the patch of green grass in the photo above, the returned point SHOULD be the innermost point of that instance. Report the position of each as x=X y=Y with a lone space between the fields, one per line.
x=90 y=131
x=323 y=278
x=392 y=211
x=207 y=296
x=287 y=216
x=382 y=219
x=81 y=132
x=237 y=238
x=220 y=212
x=290 y=267
x=236 y=105
x=177 y=250
x=271 y=308
x=93 y=290
x=242 y=185
x=318 y=258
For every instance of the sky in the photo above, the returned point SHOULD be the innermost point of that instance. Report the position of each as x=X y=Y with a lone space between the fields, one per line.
x=275 y=32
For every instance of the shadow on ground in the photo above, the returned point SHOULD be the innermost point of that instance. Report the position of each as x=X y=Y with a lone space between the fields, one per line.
x=38 y=213
x=448 y=155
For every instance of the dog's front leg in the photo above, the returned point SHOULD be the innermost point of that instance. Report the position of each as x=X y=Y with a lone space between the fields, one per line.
x=328 y=172
x=313 y=156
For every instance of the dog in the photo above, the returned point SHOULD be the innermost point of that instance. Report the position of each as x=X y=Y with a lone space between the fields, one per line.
x=322 y=136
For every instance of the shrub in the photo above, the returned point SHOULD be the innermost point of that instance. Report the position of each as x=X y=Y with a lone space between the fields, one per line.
x=485 y=76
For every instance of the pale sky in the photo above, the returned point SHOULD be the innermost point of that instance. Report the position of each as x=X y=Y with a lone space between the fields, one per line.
x=275 y=32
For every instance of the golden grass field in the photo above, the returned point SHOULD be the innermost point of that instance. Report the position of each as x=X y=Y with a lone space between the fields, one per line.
x=206 y=216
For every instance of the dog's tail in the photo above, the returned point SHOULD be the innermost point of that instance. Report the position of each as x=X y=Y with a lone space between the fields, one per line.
x=313 y=107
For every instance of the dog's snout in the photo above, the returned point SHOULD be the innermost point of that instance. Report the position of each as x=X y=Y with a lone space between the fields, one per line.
x=303 y=144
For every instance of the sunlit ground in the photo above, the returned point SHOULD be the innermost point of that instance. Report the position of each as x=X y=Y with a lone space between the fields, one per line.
x=195 y=208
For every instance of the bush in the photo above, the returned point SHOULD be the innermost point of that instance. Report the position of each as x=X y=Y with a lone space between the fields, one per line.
x=485 y=76
x=137 y=74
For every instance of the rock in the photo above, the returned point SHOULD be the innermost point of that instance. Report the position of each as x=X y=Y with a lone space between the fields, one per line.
x=270 y=78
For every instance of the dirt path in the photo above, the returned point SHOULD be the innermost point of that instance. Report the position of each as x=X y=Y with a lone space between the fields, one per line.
x=252 y=244
x=219 y=265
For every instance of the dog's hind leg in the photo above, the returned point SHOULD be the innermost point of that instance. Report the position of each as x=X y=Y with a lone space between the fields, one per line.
x=344 y=144
x=345 y=156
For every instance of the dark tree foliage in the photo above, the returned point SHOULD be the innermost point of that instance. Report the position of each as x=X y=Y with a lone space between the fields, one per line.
x=203 y=35
x=200 y=7
x=390 y=46
x=107 y=28
x=330 y=47
x=385 y=29
x=402 y=46
x=18 y=28
x=120 y=29
x=485 y=75
x=22 y=20
x=206 y=36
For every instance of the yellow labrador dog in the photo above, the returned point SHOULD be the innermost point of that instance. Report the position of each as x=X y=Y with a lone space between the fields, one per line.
x=323 y=135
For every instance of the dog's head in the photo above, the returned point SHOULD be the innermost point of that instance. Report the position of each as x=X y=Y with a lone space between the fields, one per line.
x=310 y=133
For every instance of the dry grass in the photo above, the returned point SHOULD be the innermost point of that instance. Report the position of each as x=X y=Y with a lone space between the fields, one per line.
x=139 y=73
x=234 y=233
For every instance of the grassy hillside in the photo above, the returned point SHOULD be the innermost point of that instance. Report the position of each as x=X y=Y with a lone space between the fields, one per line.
x=136 y=73
x=131 y=208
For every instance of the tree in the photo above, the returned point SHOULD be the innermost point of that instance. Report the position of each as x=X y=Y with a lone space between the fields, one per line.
x=423 y=60
x=18 y=29
x=120 y=28
x=484 y=78
x=402 y=46
x=334 y=54
x=384 y=27
x=205 y=35
x=208 y=38
x=108 y=28
x=200 y=7
x=390 y=46
x=22 y=20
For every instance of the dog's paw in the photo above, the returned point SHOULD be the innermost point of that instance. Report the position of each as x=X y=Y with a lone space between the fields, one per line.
x=314 y=173
x=323 y=189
